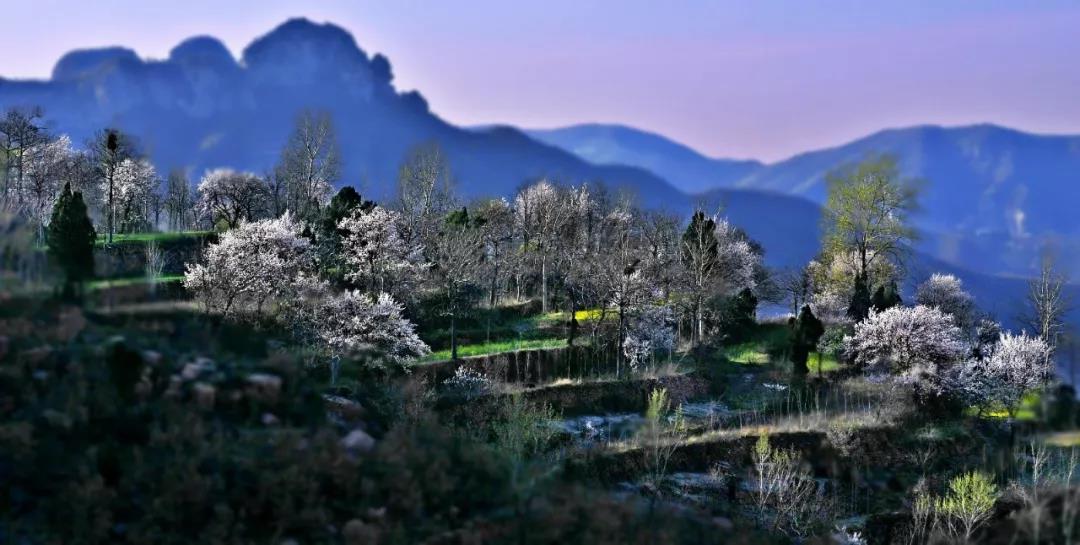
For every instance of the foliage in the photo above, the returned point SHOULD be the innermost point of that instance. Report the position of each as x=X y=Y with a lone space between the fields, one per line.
x=886 y=296
x=866 y=214
x=807 y=331
x=967 y=505
x=70 y=238
x=661 y=435
x=785 y=491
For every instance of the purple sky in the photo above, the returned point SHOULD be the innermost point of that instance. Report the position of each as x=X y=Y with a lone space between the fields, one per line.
x=759 y=78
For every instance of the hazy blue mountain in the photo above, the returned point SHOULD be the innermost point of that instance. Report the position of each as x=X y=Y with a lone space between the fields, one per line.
x=991 y=196
x=200 y=108
x=685 y=168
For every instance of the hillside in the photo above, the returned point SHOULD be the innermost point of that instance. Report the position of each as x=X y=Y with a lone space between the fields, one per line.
x=684 y=167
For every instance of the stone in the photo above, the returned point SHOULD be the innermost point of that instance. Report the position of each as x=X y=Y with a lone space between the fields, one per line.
x=204 y=395
x=344 y=408
x=358 y=441
x=268 y=419
x=264 y=387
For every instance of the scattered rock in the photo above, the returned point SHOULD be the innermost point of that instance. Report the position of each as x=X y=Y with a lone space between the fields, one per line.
x=151 y=357
x=358 y=441
x=204 y=395
x=343 y=408
x=193 y=370
x=356 y=532
x=264 y=387
x=723 y=523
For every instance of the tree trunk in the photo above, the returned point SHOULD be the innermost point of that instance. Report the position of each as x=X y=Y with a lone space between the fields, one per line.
x=543 y=284
x=453 y=337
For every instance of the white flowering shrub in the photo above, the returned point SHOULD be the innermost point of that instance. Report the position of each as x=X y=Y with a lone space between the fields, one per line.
x=355 y=324
x=467 y=383
x=653 y=330
x=945 y=292
x=374 y=251
x=920 y=345
x=250 y=267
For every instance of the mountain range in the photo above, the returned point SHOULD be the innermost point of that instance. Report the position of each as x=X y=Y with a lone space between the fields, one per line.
x=991 y=197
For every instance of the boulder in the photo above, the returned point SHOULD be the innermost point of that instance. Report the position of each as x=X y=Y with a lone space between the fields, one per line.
x=358 y=441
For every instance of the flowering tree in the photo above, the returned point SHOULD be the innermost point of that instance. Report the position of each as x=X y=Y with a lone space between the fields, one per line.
x=231 y=196
x=919 y=344
x=134 y=181
x=541 y=213
x=46 y=166
x=354 y=323
x=375 y=253
x=717 y=261
x=652 y=330
x=945 y=292
x=251 y=265
x=1017 y=365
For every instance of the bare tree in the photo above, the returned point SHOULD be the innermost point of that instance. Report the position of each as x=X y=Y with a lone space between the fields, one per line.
x=179 y=201
x=1047 y=301
x=425 y=194
x=797 y=286
x=21 y=130
x=310 y=164
x=230 y=196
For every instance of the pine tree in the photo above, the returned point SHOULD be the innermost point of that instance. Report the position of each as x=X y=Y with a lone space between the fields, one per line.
x=859 y=308
x=886 y=297
x=70 y=239
x=808 y=330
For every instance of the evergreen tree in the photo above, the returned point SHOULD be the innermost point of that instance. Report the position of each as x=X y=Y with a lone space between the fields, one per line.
x=70 y=239
x=342 y=205
x=859 y=308
x=808 y=329
x=885 y=297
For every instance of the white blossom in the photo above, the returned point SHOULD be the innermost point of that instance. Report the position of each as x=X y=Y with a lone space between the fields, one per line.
x=354 y=323
x=945 y=292
x=374 y=251
x=1019 y=364
x=653 y=330
x=250 y=266
x=918 y=344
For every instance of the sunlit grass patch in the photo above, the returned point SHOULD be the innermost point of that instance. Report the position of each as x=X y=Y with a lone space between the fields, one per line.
x=121 y=238
x=751 y=353
x=559 y=316
x=132 y=281
x=483 y=349
x=1027 y=411
x=1063 y=439
x=822 y=363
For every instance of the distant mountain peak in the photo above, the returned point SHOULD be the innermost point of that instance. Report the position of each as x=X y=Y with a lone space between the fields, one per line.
x=83 y=63
x=333 y=43
x=202 y=51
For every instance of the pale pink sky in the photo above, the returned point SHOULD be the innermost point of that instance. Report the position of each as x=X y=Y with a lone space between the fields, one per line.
x=754 y=78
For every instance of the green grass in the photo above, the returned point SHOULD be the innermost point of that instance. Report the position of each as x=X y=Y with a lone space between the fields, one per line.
x=132 y=281
x=561 y=317
x=127 y=238
x=828 y=363
x=494 y=348
x=1027 y=411
x=748 y=353
x=765 y=342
